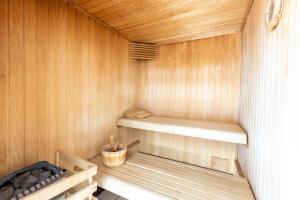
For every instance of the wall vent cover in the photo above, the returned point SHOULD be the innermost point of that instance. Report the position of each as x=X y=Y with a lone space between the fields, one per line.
x=144 y=51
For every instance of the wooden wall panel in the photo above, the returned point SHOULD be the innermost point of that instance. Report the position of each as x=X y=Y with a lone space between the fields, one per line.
x=4 y=88
x=31 y=119
x=64 y=79
x=16 y=84
x=61 y=114
x=291 y=137
x=193 y=80
x=70 y=77
x=269 y=103
x=42 y=69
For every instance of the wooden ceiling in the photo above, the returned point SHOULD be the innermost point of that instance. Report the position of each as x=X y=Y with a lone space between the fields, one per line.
x=169 y=21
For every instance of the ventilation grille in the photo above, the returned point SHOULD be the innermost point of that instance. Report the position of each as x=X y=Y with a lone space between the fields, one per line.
x=144 y=51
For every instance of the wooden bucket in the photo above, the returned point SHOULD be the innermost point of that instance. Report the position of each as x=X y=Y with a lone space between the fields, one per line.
x=111 y=158
x=117 y=158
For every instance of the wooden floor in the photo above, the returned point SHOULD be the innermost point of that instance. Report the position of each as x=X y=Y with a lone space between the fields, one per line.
x=149 y=177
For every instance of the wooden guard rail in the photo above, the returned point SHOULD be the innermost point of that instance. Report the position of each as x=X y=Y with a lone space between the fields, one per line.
x=77 y=185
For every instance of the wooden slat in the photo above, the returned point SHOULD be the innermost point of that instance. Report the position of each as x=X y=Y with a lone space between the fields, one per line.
x=61 y=106
x=4 y=88
x=188 y=167
x=114 y=184
x=200 y=129
x=188 y=178
x=42 y=63
x=79 y=182
x=169 y=21
x=70 y=77
x=16 y=83
x=144 y=51
x=84 y=193
x=52 y=84
x=164 y=181
x=170 y=179
x=31 y=77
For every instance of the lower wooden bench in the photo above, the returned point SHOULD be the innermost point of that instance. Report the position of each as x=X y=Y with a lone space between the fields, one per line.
x=149 y=177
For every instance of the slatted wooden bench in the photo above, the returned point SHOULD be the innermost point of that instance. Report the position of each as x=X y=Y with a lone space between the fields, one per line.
x=149 y=177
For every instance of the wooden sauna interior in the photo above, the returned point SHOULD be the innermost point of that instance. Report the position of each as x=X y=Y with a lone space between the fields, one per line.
x=68 y=73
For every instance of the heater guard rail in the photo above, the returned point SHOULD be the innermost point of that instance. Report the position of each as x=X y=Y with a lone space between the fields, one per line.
x=77 y=185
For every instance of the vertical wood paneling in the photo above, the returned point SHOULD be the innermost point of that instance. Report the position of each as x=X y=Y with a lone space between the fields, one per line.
x=194 y=80
x=30 y=68
x=265 y=71
x=71 y=47
x=52 y=74
x=93 y=91
x=61 y=108
x=16 y=82
x=291 y=137
x=42 y=69
x=64 y=79
x=4 y=88
x=78 y=87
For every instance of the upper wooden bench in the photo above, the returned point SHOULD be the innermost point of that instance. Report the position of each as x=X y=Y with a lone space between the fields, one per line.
x=149 y=177
x=220 y=131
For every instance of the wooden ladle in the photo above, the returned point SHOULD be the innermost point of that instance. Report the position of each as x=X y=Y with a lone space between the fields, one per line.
x=112 y=143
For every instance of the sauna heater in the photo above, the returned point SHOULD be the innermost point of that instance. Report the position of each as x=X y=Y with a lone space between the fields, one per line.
x=28 y=180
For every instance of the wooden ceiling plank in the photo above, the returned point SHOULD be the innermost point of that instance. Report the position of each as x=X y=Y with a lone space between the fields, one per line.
x=146 y=14
x=161 y=33
x=185 y=13
x=165 y=21
x=246 y=14
x=192 y=17
x=194 y=36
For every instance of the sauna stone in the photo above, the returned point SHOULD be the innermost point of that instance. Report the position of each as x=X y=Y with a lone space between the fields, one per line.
x=26 y=183
x=6 y=193
x=29 y=181
x=19 y=191
x=17 y=182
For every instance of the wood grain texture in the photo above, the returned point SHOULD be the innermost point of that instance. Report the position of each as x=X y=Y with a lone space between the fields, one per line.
x=192 y=80
x=78 y=183
x=31 y=87
x=4 y=88
x=64 y=79
x=169 y=21
x=218 y=131
x=42 y=63
x=168 y=179
x=16 y=84
x=291 y=115
x=269 y=103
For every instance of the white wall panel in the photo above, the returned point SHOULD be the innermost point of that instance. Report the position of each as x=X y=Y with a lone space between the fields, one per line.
x=269 y=65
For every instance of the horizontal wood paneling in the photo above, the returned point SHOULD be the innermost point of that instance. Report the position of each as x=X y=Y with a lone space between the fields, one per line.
x=169 y=21
x=64 y=79
x=193 y=80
